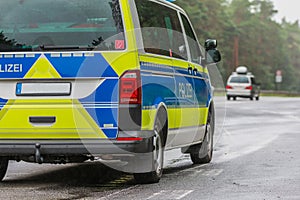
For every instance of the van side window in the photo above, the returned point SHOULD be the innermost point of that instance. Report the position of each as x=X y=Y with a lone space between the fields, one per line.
x=161 y=30
x=192 y=41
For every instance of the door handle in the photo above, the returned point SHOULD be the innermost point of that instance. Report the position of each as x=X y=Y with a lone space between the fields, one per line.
x=195 y=70
x=190 y=70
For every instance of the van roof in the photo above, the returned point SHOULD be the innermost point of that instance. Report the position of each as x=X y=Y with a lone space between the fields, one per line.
x=172 y=5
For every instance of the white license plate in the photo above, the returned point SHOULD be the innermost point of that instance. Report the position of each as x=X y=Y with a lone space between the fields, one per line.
x=43 y=89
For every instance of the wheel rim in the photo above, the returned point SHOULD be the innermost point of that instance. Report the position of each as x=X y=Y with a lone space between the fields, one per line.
x=209 y=137
x=157 y=152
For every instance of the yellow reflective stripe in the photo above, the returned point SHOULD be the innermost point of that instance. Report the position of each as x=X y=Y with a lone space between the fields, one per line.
x=148 y=117
x=177 y=117
x=151 y=58
x=168 y=61
x=180 y=64
x=205 y=70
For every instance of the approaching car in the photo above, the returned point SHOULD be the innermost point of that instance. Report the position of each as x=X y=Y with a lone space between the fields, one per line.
x=103 y=79
x=242 y=84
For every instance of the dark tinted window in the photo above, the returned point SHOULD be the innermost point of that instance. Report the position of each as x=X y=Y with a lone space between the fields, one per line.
x=193 y=44
x=161 y=29
x=26 y=24
x=239 y=79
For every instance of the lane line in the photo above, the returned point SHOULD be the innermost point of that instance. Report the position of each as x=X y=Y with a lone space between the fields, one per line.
x=170 y=194
x=118 y=192
x=156 y=194
x=185 y=194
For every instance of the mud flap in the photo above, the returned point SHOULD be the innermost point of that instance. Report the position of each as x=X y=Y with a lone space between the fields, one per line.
x=139 y=163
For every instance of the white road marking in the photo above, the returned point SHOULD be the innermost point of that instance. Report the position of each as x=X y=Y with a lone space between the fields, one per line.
x=155 y=194
x=170 y=194
x=117 y=192
x=185 y=193
x=197 y=167
x=206 y=172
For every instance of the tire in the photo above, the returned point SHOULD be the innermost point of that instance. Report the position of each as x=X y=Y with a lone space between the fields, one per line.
x=228 y=98
x=257 y=98
x=3 y=167
x=203 y=152
x=157 y=156
x=234 y=98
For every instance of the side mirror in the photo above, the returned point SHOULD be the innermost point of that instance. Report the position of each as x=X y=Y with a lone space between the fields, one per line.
x=213 y=56
x=210 y=44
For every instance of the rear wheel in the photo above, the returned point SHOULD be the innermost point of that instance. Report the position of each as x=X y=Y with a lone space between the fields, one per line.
x=228 y=98
x=3 y=167
x=204 y=151
x=158 y=141
x=257 y=98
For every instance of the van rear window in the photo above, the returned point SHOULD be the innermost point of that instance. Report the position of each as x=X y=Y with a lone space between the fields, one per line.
x=27 y=25
x=239 y=79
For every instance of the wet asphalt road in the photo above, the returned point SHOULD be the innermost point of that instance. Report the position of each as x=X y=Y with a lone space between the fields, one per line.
x=256 y=157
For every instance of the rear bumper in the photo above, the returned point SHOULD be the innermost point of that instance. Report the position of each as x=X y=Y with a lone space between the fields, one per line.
x=92 y=147
x=134 y=156
x=239 y=93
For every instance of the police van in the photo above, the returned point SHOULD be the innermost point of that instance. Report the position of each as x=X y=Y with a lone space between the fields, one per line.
x=103 y=79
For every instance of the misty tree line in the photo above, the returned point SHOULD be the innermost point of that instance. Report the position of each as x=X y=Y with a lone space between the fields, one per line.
x=248 y=35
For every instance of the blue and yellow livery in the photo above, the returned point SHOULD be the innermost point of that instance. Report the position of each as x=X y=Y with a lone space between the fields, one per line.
x=81 y=80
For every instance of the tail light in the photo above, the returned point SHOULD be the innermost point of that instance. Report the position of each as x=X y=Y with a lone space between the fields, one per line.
x=229 y=87
x=130 y=88
x=123 y=139
x=249 y=88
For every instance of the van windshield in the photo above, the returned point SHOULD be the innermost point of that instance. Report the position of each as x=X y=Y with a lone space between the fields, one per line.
x=31 y=25
x=239 y=79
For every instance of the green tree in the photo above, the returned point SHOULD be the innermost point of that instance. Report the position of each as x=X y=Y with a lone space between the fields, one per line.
x=249 y=36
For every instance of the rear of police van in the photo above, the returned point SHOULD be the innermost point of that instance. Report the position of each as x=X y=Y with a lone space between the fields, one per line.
x=66 y=77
